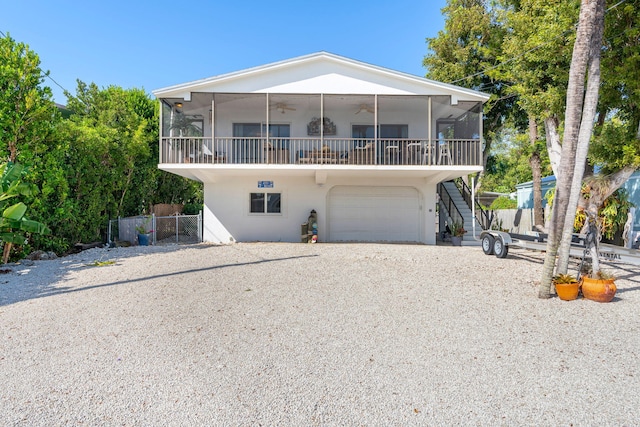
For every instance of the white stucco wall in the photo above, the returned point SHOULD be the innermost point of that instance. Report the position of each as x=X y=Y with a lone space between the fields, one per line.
x=227 y=217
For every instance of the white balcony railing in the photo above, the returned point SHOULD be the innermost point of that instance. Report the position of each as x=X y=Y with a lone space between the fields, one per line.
x=333 y=151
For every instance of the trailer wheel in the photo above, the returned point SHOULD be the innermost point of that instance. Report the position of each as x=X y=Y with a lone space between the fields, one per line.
x=500 y=249
x=487 y=244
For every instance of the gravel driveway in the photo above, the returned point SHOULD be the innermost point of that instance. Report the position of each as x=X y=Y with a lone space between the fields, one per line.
x=293 y=334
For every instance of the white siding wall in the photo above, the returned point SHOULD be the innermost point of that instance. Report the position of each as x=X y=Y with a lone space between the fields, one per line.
x=227 y=217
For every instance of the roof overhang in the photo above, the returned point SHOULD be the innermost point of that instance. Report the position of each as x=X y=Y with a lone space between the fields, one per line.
x=321 y=72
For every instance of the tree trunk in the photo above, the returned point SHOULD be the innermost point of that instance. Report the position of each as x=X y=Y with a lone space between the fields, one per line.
x=554 y=147
x=573 y=114
x=606 y=188
x=536 y=170
x=586 y=128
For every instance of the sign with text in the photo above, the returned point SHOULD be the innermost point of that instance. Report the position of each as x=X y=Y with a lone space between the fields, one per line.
x=265 y=184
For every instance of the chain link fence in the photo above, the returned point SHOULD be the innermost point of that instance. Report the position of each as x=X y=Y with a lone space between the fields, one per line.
x=162 y=229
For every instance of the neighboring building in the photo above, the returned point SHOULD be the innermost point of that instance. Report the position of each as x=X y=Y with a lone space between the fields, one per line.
x=524 y=192
x=525 y=195
x=363 y=146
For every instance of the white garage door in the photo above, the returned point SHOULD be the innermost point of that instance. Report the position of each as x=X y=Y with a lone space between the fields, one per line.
x=374 y=214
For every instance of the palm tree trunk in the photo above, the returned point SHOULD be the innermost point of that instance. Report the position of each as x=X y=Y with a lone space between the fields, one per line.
x=554 y=147
x=586 y=128
x=573 y=114
x=536 y=171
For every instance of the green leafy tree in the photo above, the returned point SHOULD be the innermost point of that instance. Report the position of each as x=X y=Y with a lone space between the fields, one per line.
x=469 y=44
x=113 y=158
x=508 y=165
x=28 y=120
x=535 y=56
x=27 y=111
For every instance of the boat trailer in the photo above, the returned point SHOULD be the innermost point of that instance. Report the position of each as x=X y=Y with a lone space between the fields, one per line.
x=498 y=242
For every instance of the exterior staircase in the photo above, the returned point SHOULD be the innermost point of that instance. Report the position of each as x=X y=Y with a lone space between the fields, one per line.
x=461 y=208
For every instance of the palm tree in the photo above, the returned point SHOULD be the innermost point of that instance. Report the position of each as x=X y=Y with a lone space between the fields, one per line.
x=590 y=27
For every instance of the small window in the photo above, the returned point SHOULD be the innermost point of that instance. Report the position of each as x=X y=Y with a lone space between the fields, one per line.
x=265 y=203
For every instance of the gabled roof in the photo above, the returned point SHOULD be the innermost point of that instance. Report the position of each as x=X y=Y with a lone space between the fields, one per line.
x=320 y=72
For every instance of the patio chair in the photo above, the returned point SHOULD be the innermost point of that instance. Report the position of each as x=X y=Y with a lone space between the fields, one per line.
x=362 y=155
x=392 y=154
x=412 y=153
x=445 y=153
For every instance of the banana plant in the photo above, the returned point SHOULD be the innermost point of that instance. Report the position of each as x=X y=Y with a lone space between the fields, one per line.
x=14 y=224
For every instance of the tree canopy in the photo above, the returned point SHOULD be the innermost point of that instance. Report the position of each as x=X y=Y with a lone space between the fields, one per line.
x=97 y=163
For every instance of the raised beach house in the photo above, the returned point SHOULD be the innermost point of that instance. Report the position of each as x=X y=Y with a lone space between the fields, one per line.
x=364 y=146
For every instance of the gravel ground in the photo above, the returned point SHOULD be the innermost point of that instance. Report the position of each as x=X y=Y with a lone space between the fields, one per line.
x=293 y=334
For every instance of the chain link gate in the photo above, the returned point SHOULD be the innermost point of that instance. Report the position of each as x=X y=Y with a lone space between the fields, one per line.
x=166 y=229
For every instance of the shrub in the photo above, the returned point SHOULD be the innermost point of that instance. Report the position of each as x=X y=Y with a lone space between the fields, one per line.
x=503 y=202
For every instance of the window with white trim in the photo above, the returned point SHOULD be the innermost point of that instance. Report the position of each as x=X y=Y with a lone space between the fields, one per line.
x=265 y=203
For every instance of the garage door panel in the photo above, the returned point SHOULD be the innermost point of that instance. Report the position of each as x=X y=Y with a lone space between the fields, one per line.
x=374 y=214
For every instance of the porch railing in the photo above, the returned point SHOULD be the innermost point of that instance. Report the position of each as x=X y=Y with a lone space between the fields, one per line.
x=334 y=151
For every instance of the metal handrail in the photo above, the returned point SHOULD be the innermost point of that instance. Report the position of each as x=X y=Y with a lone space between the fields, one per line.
x=481 y=214
x=452 y=209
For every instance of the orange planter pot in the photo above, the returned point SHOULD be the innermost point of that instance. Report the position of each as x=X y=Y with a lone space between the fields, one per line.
x=567 y=291
x=598 y=289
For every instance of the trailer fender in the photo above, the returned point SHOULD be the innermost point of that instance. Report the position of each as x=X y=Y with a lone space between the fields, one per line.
x=505 y=237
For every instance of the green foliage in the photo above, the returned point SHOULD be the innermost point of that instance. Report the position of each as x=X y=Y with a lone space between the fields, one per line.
x=97 y=161
x=612 y=215
x=113 y=146
x=614 y=146
x=14 y=225
x=470 y=43
x=620 y=85
x=27 y=113
x=537 y=52
x=503 y=202
x=192 y=208
x=457 y=229
x=564 y=278
x=101 y=263
x=508 y=164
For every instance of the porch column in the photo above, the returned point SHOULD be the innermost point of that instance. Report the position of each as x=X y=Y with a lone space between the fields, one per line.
x=375 y=127
x=321 y=120
x=265 y=147
x=159 y=136
x=429 y=126
x=479 y=156
x=212 y=118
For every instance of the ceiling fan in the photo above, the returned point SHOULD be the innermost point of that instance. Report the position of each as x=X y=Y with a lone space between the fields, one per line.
x=365 y=107
x=282 y=107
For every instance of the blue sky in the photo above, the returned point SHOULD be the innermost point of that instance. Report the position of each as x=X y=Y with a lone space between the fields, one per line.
x=154 y=44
